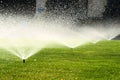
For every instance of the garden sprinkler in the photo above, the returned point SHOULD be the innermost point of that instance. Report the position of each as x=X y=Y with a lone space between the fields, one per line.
x=71 y=48
x=23 y=60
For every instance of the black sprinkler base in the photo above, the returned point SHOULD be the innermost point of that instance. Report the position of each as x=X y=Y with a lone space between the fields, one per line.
x=23 y=60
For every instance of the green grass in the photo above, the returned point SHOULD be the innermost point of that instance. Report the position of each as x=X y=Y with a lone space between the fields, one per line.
x=99 y=61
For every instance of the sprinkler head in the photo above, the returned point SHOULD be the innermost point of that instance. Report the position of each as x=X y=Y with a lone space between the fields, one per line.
x=23 y=60
x=71 y=48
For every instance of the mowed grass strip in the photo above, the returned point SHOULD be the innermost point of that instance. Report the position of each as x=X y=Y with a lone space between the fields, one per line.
x=99 y=61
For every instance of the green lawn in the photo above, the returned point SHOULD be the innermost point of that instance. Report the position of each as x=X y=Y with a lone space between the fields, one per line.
x=99 y=61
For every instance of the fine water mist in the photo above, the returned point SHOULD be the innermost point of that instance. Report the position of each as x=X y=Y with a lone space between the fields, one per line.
x=24 y=37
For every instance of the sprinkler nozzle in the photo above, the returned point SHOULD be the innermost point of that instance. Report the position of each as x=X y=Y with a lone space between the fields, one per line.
x=71 y=48
x=23 y=60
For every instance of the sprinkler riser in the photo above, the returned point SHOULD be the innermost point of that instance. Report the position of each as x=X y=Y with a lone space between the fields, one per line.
x=23 y=60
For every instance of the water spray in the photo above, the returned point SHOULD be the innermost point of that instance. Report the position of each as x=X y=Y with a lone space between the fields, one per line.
x=21 y=43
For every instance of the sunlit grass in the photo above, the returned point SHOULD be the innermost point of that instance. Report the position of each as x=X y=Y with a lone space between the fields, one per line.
x=99 y=61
